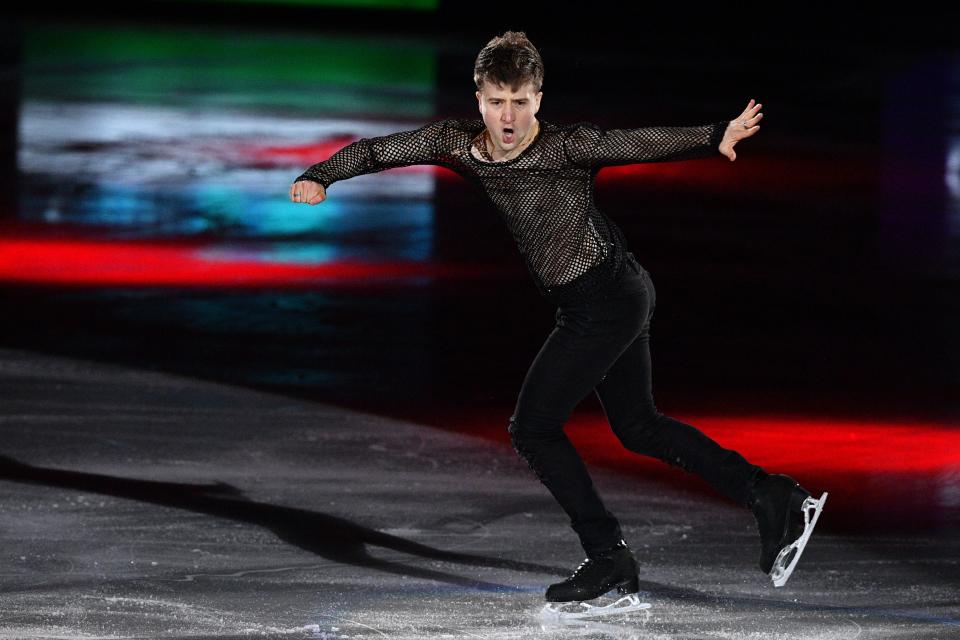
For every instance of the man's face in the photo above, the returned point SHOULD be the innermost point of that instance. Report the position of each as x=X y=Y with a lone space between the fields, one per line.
x=509 y=116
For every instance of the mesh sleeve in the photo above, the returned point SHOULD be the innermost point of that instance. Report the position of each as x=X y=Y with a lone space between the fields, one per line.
x=590 y=146
x=369 y=155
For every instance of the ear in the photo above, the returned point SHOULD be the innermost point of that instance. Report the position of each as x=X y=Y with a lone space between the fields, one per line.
x=539 y=96
x=479 y=99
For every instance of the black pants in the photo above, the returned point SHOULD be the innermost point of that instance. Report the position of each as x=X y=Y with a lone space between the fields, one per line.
x=604 y=346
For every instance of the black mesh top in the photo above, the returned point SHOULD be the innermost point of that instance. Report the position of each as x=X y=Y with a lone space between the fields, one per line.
x=544 y=194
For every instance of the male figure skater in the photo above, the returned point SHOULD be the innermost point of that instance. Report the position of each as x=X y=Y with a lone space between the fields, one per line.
x=539 y=175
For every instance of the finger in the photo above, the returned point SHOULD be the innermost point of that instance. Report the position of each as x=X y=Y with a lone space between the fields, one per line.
x=751 y=109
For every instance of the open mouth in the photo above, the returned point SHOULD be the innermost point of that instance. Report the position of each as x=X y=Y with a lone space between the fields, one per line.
x=508 y=135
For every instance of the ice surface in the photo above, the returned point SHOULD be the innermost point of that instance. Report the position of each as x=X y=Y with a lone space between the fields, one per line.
x=142 y=504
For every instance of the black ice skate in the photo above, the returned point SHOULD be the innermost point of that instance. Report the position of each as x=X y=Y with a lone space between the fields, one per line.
x=782 y=509
x=598 y=574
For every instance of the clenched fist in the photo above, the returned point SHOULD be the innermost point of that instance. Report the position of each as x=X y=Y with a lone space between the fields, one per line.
x=307 y=192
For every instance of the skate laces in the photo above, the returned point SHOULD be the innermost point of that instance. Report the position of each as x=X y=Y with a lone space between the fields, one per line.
x=599 y=558
x=606 y=556
x=583 y=566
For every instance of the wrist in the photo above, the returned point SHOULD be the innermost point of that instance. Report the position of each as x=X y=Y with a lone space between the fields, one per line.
x=718 y=133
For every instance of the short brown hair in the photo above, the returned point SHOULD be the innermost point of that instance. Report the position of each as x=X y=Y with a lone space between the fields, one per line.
x=510 y=59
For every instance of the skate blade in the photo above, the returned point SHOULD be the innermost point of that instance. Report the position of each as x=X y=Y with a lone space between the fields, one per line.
x=780 y=573
x=564 y=610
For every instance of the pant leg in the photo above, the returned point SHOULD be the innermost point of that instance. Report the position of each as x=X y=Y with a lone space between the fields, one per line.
x=626 y=394
x=574 y=357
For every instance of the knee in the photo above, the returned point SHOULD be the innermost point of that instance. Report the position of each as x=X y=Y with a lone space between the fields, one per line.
x=640 y=429
x=528 y=435
x=526 y=446
x=519 y=435
x=516 y=437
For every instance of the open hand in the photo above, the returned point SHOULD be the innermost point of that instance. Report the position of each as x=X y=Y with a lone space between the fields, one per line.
x=744 y=126
x=307 y=192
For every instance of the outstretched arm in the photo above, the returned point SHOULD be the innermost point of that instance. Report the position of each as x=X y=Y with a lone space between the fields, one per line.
x=369 y=155
x=589 y=145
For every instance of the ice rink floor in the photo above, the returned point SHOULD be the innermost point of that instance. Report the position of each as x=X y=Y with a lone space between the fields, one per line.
x=140 y=504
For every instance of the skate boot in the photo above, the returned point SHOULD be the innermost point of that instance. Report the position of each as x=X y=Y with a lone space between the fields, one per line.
x=598 y=574
x=782 y=510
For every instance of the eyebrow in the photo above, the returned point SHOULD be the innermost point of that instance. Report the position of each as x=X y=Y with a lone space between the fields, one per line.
x=516 y=100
